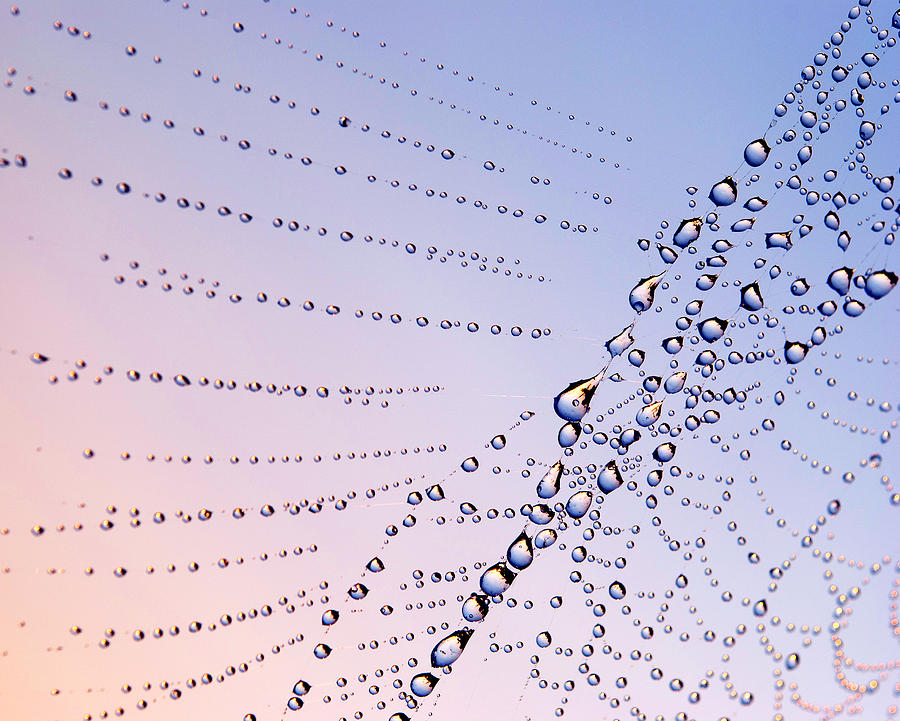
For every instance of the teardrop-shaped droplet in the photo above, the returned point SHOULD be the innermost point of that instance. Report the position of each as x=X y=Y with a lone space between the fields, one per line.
x=470 y=464
x=423 y=684
x=548 y=486
x=450 y=648
x=751 y=298
x=541 y=514
x=688 y=231
x=569 y=434
x=756 y=204
x=880 y=283
x=672 y=345
x=545 y=538
x=666 y=253
x=579 y=503
x=618 y=344
x=520 y=553
x=839 y=280
x=572 y=403
x=322 y=650
x=664 y=452
x=755 y=153
x=496 y=579
x=781 y=239
x=609 y=479
x=475 y=608
x=795 y=351
x=712 y=329
x=649 y=414
x=724 y=192
x=641 y=297
x=357 y=591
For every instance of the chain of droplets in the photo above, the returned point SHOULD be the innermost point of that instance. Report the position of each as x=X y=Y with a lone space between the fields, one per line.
x=124 y=188
x=440 y=67
x=192 y=566
x=851 y=427
x=330 y=310
x=266 y=510
x=191 y=683
x=445 y=154
x=239 y=28
x=253 y=460
x=286 y=389
x=274 y=98
x=340 y=169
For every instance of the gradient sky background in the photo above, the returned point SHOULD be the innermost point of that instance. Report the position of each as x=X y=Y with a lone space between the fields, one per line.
x=634 y=102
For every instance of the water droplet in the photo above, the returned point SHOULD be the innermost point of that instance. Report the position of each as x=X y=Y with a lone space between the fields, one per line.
x=688 y=231
x=609 y=479
x=641 y=297
x=475 y=608
x=520 y=553
x=450 y=648
x=724 y=192
x=756 y=153
x=497 y=579
x=579 y=503
x=548 y=486
x=470 y=464
x=572 y=403
x=751 y=298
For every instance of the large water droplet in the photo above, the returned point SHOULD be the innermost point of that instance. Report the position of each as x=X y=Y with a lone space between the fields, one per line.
x=548 y=486
x=572 y=403
x=579 y=503
x=496 y=579
x=755 y=153
x=724 y=192
x=609 y=479
x=641 y=297
x=520 y=553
